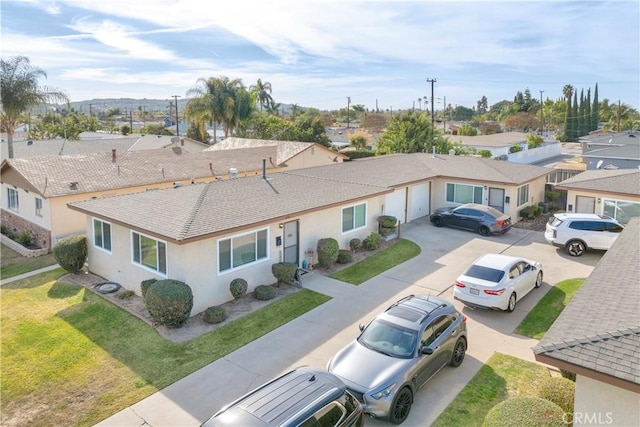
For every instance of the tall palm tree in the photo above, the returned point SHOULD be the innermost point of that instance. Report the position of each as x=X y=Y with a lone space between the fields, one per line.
x=262 y=92
x=19 y=91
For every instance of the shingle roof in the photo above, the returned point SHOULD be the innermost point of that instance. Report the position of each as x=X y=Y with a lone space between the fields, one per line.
x=61 y=147
x=197 y=210
x=600 y=328
x=503 y=139
x=152 y=142
x=625 y=181
x=51 y=176
x=286 y=149
x=625 y=152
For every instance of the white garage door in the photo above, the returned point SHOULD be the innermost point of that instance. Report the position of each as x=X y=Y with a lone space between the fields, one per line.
x=418 y=201
x=395 y=204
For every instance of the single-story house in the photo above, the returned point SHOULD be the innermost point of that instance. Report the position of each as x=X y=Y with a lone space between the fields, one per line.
x=291 y=154
x=210 y=233
x=620 y=150
x=597 y=337
x=498 y=143
x=615 y=193
x=152 y=142
x=87 y=144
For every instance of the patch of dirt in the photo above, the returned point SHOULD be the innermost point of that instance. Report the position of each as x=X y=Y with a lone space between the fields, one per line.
x=195 y=326
x=536 y=224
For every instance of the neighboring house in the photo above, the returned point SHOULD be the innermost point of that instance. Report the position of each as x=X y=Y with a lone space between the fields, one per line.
x=597 y=337
x=152 y=142
x=619 y=150
x=211 y=233
x=615 y=193
x=498 y=143
x=35 y=191
x=95 y=143
x=291 y=154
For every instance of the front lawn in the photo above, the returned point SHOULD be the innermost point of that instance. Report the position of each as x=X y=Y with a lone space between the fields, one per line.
x=542 y=316
x=12 y=263
x=69 y=357
x=379 y=262
x=500 y=378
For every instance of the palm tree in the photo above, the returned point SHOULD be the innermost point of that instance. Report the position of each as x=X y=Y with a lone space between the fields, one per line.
x=19 y=91
x=420 y=103
x=262 y=92
x=273 y=108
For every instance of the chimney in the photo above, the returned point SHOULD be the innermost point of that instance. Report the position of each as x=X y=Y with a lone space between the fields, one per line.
x=264 y=168
x=113 y=154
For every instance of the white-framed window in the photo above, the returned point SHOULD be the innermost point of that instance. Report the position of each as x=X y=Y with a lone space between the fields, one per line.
x=38 y=206
x=243 y=249
x=523 y=194
x=12 y=199
x=621 y=210
x=463 y=193
x=102 y=234
x=149 y=252
x=354 y=217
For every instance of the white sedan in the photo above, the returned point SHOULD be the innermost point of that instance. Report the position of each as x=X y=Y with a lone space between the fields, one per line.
x=497 y=281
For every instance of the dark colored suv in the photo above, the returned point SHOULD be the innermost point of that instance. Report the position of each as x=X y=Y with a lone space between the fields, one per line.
x=303 y=397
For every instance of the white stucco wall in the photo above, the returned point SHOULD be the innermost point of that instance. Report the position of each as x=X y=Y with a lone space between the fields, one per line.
x=313 y=156
x=572 y=197
x=602 y=404
x=27 y=206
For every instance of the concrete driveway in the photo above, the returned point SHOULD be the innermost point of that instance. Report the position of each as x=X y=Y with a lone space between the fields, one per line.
x=314 y=337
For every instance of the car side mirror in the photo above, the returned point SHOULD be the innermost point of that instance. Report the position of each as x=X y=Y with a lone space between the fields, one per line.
x=361 y=326
x=426 y=350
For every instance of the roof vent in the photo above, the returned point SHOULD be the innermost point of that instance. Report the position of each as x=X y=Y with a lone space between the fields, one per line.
x=73 y=185
x=233 y=173
x=177 y=184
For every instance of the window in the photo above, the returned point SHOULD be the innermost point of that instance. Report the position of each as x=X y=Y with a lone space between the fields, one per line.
x=242 y=250
x=38 y=207
x=149 y=253
x=523 y=194
x=354 y=217
x=463 y=193
x=101 y=234
x=12 y=197
x=621 y=210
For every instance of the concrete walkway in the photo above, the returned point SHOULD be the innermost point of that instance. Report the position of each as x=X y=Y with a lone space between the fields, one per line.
x=314 y=337
x=30 y=273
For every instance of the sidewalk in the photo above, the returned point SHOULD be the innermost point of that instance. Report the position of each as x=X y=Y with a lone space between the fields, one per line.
x=30 y=273
x=314 y=337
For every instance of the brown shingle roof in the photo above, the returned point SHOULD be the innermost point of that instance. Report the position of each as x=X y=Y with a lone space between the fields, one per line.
x=286 y=149
x=626 y=181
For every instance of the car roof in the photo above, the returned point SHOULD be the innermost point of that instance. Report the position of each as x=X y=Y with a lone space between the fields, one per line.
x=411 y=310
x=592 y=216
x=290 y=398
x=497 y=261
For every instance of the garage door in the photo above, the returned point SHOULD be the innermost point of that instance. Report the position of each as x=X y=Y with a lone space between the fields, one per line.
x=395 y=204
x=418 y=201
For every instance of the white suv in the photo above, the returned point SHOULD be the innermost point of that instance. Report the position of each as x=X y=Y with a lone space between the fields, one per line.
x=578 y=232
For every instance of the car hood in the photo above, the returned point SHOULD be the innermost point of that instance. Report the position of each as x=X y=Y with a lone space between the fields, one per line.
x=364 y=368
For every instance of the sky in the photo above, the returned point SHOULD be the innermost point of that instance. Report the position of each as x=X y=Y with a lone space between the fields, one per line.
x=326 y=54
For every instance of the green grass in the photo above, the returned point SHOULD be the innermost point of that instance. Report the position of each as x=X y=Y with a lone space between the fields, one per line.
x=69 y=357
x=542 y=316
x=13 y=264
x=500 y=378
x=379 y=262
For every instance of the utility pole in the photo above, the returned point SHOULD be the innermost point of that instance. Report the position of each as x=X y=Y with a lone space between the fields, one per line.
x=131 y=121
x=444 y=116
x=177 y=116
x=432 y=81
x=541 y=115
x=348 y=107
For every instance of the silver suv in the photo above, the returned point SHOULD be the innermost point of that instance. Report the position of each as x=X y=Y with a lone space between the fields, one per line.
x=578 y=232
x=398 y=352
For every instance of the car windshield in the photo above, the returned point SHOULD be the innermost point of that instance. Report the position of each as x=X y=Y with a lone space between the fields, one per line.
x=484 y=273
x=390 y=339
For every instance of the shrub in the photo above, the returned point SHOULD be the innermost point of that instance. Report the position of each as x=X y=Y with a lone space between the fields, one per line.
x=568 y=375
x=283 y=271
x=485 y=153
x=344 y=256
x=24 y=238
x=515 y=148
x=5 y=230
x=372 y=241
x=558 y=390
x=126 y=294
x=71 y=252
x=214 y=315
x=264 y=293
x=238 y=288
x=525 y=411
x=328 y=250
x=169 y=302
x=144 y=285
x=387 y=221
x=531 y=212
x=387 y=231
x=355 y=244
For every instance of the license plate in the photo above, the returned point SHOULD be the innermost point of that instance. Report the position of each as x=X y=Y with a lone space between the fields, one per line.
x=474 y=291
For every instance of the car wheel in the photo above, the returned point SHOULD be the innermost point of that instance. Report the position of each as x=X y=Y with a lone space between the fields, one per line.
x=512 y=303
x=484 y=230
x=539 y=280
x=401 y=406
x=575 y=248
x=438 y=222
x=458 y=353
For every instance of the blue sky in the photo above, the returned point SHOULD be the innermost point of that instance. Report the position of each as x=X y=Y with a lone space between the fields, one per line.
x=318 y=53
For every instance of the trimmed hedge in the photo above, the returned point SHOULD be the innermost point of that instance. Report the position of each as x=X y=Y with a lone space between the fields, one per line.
x=144 y=285
x=169 y=302
x=568 y=375
x=284 y=271
x=531 y=212
x=263 y=292
x=214 y=315
x=71 y=252
x=344 y=256
x=328 y=250
x=525 y=411
x=558 y=390
x=355 y=244
x=387 y=221
x=238 y=288
x=372 y=241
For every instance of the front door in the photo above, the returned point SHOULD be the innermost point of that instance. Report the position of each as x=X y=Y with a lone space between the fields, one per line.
x=291 y=242
x=496 y=198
